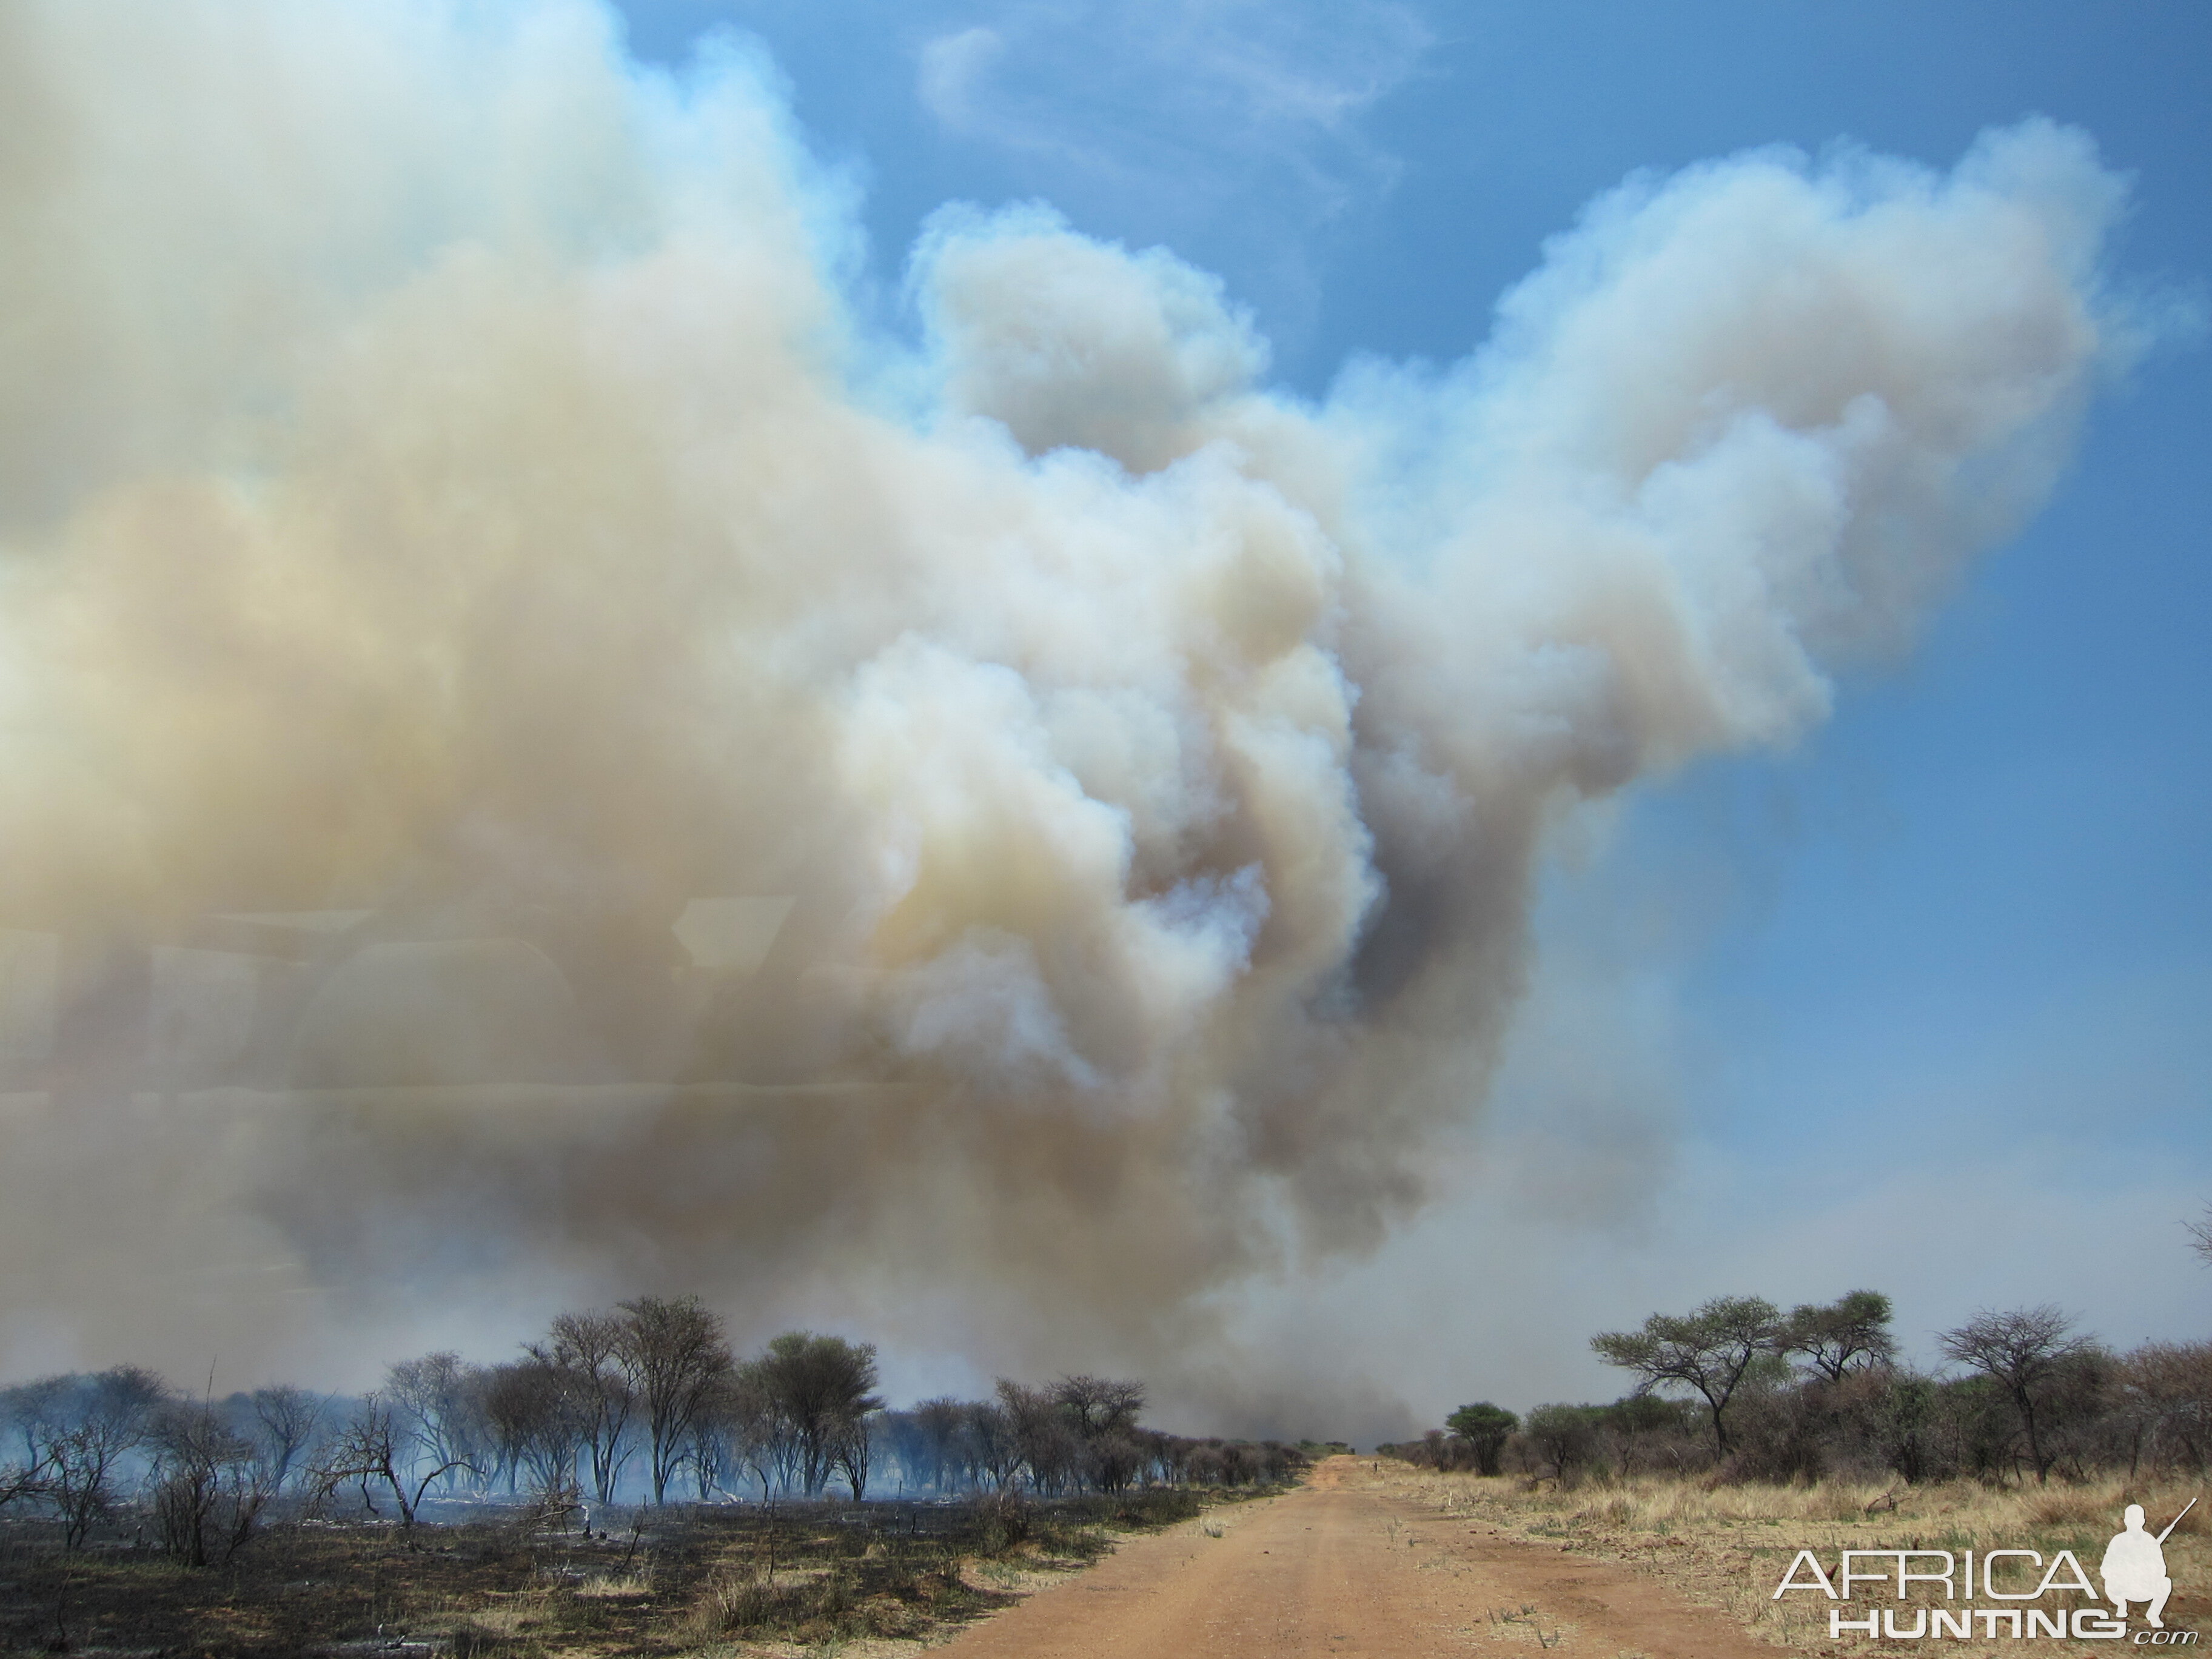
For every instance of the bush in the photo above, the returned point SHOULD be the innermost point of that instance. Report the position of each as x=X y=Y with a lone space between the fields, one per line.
x=1560 y=1440
x=1006 y=1520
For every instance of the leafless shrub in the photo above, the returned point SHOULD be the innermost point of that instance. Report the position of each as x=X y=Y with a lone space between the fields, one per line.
x=2024 y=1352
x=209 y=1487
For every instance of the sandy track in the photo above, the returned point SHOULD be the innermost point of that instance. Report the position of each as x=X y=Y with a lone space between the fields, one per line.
x=1344 y=1566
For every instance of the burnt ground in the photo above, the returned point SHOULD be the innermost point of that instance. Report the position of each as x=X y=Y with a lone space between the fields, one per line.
x=486 y=1582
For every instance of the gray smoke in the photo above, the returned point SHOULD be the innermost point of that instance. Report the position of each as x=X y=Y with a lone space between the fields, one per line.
x=544 y=759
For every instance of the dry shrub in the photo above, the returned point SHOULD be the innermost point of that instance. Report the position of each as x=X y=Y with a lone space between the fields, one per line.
x=942 y=1587
x=1006 y=1520
x=884 y=1614
x=611 y=1586
x=1153 y=1506
x=752 y=1603
x=2073 y=1506
x=473 y=1641
x=490 y=1625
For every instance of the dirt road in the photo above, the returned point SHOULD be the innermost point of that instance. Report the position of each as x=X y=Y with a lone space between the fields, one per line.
x=1342 y=1567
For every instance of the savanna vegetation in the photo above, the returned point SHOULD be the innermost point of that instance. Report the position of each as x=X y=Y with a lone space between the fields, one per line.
x=1728 y=1544
x=1750 y=1432
x=1738 y=1391
x=626 y=1484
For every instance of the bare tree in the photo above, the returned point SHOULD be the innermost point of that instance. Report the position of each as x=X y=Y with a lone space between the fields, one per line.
x=37 y=1407
x=2200 y=1233
x=22 y=1480
x=285 y=1420
x=991 y=1445
x=2165 y=1390
x=82 y=1435
x=710 y=1447
x=2023 y=1352
x=675 y=1355
x=372 y=1447
x=755 y=1430
x=851 y=1451
x=436 y=1405
x=587 y=1349
x=1048 y=1442
x=209 y=1485
x=1712 y=1349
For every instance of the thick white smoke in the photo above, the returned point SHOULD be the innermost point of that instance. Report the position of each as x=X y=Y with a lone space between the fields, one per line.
x=537 y=749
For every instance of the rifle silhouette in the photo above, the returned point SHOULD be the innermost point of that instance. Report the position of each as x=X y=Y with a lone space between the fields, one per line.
x=2176 y=1522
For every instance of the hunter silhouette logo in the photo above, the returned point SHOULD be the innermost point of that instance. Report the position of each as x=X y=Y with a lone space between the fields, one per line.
x=2133 y=1568
x=2133 y=1571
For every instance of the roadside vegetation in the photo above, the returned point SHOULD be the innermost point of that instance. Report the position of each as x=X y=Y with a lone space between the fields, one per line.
x=1738 y=1392
x=1751 y=1432
x=1728 y=1545
x=626 y=1485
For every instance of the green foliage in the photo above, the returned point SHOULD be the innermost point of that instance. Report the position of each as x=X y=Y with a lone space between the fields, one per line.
x=1850 y=1333
x=1564 y=1437
x=1484 y=1427
x=1713 y=1349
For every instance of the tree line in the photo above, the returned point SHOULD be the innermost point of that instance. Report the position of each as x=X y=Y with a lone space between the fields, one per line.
x=647 y=1401
x=1739 y=1387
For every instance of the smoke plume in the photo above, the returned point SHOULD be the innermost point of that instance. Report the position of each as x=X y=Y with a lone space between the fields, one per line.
x=546 y=755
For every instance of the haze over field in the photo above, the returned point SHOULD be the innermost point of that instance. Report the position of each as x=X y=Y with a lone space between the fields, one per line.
x=549 y=755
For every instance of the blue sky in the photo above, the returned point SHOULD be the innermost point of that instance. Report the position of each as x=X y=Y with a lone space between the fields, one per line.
x=1927 y=1001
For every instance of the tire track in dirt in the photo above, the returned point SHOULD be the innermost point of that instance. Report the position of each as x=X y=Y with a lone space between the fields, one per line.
x=1341 y=1566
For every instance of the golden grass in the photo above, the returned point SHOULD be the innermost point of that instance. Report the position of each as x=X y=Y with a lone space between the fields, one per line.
x=1728 y=1546
x=611 y=1585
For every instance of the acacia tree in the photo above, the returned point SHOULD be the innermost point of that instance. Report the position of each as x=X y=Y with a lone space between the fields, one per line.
x=2024 y=1352
x=1712 y=1349
x=1103 y=1412
x=1852 y=1332
x=990 y=1444
x=1562 y=1436
x=585 y=1349
x=437 y=1406
x=674 y=1356
x=938 y=1425
x=821 y=1389
x=537 y=1419
x=759 y=1437
x=1486 y=1428
x=730 y=1434
x=1047 y=1440
x=1099 y=1405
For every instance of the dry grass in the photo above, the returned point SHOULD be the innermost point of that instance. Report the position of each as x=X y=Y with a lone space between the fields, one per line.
x=636 y=1581
x=1728 y=1546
